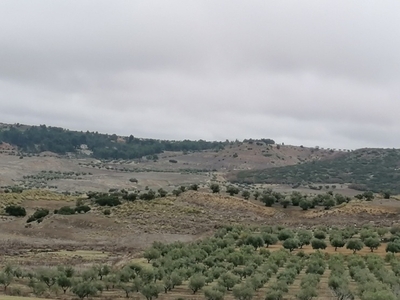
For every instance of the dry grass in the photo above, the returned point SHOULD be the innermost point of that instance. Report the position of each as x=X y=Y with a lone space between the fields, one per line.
x=33 y=195
x=191 y=213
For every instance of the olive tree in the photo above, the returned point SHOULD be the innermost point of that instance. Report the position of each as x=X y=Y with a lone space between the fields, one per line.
x=338 y=242
x=269 y=239
x=304 y=237
x=243 y=292
x=372 y=243
x=355 y=245
x=290 y=244
x=150 y=290
x=5 y=279
x=196 y=282
x=84 y=289
x=228 y=280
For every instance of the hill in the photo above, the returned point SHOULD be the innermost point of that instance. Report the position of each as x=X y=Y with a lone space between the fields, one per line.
x=364 y=169
x=36 y=139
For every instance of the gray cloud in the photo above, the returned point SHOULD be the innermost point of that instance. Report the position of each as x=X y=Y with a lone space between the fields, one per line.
x=313 y=73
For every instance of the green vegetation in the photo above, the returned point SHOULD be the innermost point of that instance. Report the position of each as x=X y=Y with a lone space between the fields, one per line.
x=232 y=263
x=365 y=169
x=35 y=139
x=38 y=215
x=15 y=210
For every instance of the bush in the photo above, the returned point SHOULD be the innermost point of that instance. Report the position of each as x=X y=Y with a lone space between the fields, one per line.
x=215 y=188
x=41 y=213
x=268 y=199
x=30 y=219
x=107 y=212
x=66 y=210
x=108 y=201
x=16 y=211
x=150 y=195
x=232 y=190
x=130 y=197
x=82 y=208
x=194 y=187
x=305 y=204
x=38 y=215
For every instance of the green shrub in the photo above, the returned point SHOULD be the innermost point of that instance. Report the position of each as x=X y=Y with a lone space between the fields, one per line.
x=66 y=210
x=108 y=201
x=38 y=215
x=15 y=210
x=82 y=208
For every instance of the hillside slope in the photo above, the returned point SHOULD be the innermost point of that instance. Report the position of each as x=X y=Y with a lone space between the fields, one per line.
x=365 y=169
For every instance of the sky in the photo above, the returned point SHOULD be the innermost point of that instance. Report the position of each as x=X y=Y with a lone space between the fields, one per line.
x=312 y=73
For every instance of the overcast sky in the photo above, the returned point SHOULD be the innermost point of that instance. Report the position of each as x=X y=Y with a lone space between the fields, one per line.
x=312 y=72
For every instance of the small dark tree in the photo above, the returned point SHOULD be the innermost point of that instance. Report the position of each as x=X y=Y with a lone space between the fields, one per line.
x=285 y=202
x=369 y=196
x=329 y=202
x=162 y=192
x=268 y=199
x=232 y=190
x=305 y=204
x=176 y=192
x=194 y=187
x=246 y=194
x=215 y=188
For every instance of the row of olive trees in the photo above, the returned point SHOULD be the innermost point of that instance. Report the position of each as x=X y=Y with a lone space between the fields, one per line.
x=235 y=260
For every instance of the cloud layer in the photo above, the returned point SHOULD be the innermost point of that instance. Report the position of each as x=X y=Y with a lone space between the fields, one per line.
x=311 y=72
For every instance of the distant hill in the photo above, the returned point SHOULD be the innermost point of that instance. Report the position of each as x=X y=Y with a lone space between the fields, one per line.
x=36 y=139
x=364 y=169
